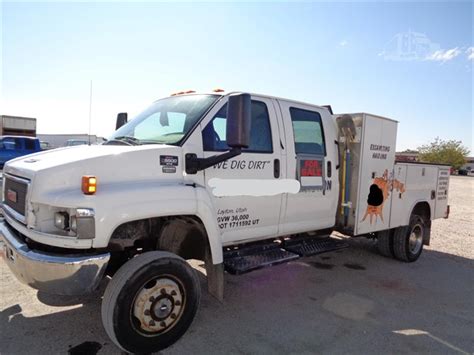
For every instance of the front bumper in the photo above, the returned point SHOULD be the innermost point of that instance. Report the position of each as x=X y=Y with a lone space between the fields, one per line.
x=52 y=273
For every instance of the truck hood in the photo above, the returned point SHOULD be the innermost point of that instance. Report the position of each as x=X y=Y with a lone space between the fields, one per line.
x=64 y=167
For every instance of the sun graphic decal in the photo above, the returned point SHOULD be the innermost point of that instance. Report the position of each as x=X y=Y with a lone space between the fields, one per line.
x=379 y=191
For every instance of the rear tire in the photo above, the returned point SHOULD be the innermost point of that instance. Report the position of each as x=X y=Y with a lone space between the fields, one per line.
x=150 y=302
x=385 y=243
x=408 y=240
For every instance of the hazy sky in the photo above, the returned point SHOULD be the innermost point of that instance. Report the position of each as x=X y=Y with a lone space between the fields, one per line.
x=409 y=61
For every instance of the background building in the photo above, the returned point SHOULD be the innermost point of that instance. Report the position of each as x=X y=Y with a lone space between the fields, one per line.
x=17 y=126
x=407 y=155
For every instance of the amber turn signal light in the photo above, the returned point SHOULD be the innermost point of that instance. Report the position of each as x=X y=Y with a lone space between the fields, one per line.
x=89 y=184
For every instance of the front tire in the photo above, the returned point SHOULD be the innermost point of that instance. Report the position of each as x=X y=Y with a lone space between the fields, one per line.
x=150 y=302
x=408 y=240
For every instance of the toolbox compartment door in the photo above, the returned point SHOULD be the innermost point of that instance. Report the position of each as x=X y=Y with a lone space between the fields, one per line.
x=442 y=188
x=377 y=159
x=398 y=213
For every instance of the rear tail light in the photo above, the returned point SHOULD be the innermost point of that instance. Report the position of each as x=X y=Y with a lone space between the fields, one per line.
x=446 y=215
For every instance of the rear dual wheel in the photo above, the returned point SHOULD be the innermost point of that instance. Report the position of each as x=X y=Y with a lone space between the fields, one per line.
x=385 y=243
x=150 y=302
x=408 y=241
x=403 y=243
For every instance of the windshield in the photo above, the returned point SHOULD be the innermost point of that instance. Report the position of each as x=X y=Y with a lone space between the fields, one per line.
x=10 y=143
x=167 y=121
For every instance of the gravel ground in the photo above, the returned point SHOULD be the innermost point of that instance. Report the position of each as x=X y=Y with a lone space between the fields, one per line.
x=349 y=301
x=456 y=235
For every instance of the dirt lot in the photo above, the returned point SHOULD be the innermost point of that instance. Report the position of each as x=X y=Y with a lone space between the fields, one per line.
x=350 y=301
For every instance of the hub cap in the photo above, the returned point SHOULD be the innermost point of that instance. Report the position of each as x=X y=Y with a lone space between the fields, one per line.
x=158 y=306
x=415 y=240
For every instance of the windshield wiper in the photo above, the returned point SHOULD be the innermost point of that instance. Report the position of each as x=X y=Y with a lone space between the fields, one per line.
x=152 y=142
x=128 y=140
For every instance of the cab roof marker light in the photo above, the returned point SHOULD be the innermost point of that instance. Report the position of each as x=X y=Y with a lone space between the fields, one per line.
x=218 y=90
x=183 y=92
x=89 y=184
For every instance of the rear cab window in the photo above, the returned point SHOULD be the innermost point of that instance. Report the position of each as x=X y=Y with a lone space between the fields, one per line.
x=307 y=131
x=310 y=147
x=30 y=144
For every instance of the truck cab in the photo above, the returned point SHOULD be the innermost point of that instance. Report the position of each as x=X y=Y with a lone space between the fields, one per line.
x=287 y=143
x=237 y=180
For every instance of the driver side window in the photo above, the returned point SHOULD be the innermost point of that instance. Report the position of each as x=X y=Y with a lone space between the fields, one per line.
x=214 y=135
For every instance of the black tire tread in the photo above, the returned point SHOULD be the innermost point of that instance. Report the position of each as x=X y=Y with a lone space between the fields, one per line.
x=119 y=280
x=385 y=243
x=172 y=230
x=400 y=240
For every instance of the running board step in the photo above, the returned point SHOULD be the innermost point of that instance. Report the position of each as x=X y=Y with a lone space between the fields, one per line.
x=254 y=257
x=311 y=246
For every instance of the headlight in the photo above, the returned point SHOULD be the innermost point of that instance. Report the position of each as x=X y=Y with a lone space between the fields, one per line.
x=61 y=220
x=81 y=222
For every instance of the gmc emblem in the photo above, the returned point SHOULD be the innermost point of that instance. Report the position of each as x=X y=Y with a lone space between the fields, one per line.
x=11 y=195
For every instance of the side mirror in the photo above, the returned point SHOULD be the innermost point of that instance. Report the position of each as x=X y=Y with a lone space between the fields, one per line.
x=122 y=119
x=239 y=115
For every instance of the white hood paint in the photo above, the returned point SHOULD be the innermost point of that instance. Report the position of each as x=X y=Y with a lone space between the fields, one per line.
x=67 y=155
x=63 y=168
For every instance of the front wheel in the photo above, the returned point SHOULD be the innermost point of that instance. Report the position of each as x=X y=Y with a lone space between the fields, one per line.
x=408 y=241
x=150 y=302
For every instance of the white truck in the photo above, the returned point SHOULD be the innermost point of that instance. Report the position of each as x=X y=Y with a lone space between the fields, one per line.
x=237 y=180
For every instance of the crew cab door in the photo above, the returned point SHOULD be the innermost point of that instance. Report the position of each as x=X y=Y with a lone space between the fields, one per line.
x=245 y=217
x=312 y=159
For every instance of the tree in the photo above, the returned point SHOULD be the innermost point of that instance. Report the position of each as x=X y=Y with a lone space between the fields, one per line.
x=450 y=152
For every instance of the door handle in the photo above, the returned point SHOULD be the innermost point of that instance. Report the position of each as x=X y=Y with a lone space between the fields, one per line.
x=276 y=168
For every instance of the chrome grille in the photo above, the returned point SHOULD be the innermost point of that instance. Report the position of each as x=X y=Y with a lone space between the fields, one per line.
x=14 y=194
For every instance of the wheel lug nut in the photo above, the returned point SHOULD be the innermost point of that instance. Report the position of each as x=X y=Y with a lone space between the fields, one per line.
x=173 y=293
x=163 y=324
x=147 y=312
x=163 y=291
x=177 y=303
x=151 y=299
x=152 y=323
x=173 y=316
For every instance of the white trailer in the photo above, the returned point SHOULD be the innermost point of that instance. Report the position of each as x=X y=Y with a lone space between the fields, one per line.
x=240 y=181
